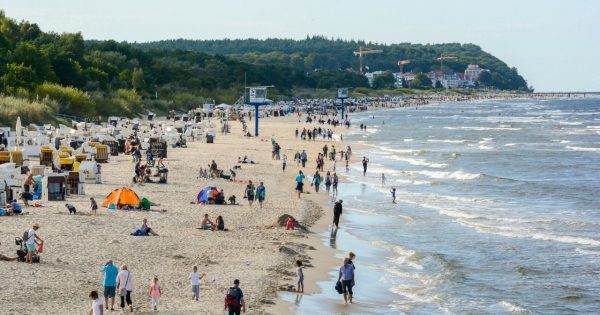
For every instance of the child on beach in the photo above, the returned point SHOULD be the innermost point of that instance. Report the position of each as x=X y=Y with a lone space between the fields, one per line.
x=94 y=205
x=334 y=165
x=290 y=224
x=155 y=292
x=195 y=282
x=382 y=179
x=347 y=168
x=284 y=161
x=205 y=175
x=300 y=276
x=393 y=191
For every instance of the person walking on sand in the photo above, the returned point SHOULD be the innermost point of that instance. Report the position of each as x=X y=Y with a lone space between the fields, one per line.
x=364 y=162
x=297 y=158
x=234 y=299
x=300 y=275
x=284 y=161
x=304 y=158
x=195 y=278
x=110 y=283
x=316 y=181
x=260 y=194
x=155 y=292
x=32 y=240
x=347 y=167
x=97 y=304
x=393 y=191
x=346 y=275
x=124 y=287
x=382 y=178
x=250 y=193
x=93 y=205
x=327 y=182
x=299 y=183
x=334 y=181
x=337 y=213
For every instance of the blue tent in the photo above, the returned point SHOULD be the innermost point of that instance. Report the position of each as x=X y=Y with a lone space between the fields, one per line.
x=202 y=193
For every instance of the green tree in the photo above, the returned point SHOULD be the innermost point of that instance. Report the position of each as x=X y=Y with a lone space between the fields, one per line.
x=96 y=75
x=421 y=81
x=137 y=80
x=386 y=80
x=438 y=84
x=18 y=76
x=29 y=55
x=484 y=78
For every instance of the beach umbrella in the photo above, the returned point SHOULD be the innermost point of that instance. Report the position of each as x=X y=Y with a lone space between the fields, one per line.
x=18 y=130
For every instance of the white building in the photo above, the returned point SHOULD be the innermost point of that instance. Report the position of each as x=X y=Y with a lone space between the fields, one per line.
x=408 y=78
x=473 y=71
x=371 y=75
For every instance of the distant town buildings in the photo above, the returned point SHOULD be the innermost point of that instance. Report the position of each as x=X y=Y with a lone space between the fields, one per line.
x=447 y=78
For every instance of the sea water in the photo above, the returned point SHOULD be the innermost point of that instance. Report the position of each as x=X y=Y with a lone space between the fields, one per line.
x=498 y=211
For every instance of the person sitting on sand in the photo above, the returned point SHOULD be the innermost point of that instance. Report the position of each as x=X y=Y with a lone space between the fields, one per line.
x=289 y=224
x=231 y=200
x=15 y=208
x=146 y=229
x=220 y=199
x=206 y=223
x=220 y=223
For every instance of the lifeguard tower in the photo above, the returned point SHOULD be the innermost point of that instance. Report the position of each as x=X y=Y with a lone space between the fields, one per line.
x=257 y=97
x=342 y=94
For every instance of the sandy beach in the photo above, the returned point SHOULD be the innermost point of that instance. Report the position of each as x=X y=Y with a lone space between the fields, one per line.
x=258 y=252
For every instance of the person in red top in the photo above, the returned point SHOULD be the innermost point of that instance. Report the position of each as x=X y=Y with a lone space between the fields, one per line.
x=289 y=224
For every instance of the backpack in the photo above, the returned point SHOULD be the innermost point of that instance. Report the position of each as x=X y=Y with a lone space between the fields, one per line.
x=25 y=236
x=232 y=297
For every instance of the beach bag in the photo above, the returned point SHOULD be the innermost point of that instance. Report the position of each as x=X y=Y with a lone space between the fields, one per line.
x=40 y=248
x=232 y=297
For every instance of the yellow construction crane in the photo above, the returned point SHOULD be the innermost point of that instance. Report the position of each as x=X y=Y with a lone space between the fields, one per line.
x=402 y=63
x=442 y=58
x=365 y=51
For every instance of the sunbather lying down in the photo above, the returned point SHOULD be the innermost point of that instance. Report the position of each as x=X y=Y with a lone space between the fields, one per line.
x=247 y=161
x=2 y=257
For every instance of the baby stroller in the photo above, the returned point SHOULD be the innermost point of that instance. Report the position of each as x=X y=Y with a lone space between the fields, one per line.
x=22 y=253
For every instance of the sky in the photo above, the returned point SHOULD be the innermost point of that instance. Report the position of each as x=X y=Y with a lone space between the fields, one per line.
x=555 y=44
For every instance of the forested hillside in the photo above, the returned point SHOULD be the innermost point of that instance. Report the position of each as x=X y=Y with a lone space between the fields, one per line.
x=318 y=52
x=42 y=73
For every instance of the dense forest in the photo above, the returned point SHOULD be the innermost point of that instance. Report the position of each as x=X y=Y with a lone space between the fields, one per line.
x=321 y=53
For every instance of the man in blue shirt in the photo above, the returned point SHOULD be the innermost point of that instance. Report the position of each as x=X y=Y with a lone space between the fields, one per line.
x=347 y=276
x=304 y=158
x=234 y=299
x=110 y=283
x=299 y=183
x=16 y=208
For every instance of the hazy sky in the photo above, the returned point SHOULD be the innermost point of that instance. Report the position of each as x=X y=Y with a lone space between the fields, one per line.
x=555 y=44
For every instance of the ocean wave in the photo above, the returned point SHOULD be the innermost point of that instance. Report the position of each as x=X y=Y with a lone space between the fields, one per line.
x=418 y=162
x=583 y=149
x=517 y=232
x=409 y=140
x=587 y=252
x=481 y=128
x=406 y=257
x=485 y=147
x=450 y=175
x=513 y=308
